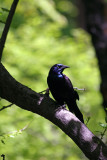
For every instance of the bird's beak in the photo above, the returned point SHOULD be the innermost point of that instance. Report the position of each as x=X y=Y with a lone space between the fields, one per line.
x=63 y=67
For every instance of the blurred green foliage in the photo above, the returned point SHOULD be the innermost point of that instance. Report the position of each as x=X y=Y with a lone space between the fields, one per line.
x=44 y=33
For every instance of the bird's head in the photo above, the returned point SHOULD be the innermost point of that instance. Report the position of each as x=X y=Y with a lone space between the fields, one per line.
x=58 y=68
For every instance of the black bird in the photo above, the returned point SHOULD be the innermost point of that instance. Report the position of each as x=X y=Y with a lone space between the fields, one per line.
x=62 y=89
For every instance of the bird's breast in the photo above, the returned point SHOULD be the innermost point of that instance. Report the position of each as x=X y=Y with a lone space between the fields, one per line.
x=56 y=83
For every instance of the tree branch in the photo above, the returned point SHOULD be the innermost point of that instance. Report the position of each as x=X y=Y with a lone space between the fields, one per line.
x=7 y=26
x=4 y=107
x=27 y=99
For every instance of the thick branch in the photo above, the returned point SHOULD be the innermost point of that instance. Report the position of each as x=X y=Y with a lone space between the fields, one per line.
x=7 y=26
x=27 y=99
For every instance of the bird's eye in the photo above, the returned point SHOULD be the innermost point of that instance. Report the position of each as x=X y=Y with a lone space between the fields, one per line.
x=58 y=66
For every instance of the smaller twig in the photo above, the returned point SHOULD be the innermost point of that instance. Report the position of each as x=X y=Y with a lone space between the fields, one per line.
x=80 y=89
x=7 y=25
x=103 y=133
x=88 y=118
x=26 y=125
x=4 y=107
x=2 y=22
x=20 y=130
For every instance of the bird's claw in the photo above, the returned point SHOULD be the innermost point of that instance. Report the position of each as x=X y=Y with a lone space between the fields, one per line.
x=61 y=107
x=47 y=92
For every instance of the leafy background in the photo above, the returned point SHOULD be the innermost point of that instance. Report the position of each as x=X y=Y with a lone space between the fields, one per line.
x=44 y=33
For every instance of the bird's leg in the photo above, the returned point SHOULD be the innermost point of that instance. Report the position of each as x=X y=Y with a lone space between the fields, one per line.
x=47 y=92
x=63 y=106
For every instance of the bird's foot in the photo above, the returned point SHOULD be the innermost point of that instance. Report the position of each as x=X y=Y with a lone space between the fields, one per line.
x=61 y=107
x=47 y=92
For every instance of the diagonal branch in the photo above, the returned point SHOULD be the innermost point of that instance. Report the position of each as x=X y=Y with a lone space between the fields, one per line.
x=7 y=26
x=27 y=99
x=4 y=107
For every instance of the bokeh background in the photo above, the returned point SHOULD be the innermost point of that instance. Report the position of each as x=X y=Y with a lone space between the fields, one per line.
x=44 y=33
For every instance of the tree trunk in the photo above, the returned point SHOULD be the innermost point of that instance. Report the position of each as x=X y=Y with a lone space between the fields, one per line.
x=95 y=22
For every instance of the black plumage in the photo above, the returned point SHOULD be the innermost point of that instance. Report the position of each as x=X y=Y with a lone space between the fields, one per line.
x=62 y=89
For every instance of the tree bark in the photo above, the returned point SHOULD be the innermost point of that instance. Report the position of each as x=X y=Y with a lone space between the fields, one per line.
x=27 y=99
x=95 y=17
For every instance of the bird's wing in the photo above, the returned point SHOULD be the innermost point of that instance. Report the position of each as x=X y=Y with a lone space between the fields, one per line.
x=76 y=95
x=69 y=88
x=68 y=83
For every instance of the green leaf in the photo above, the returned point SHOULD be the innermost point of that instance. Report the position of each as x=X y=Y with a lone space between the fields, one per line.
x=2 y=141
x=2 y=22
x=5 y=9
x=103 y=125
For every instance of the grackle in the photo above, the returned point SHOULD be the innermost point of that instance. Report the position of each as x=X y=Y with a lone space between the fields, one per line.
x=62 y=89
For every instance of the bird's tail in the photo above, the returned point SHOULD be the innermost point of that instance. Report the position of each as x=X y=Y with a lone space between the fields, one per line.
x=76 y=111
